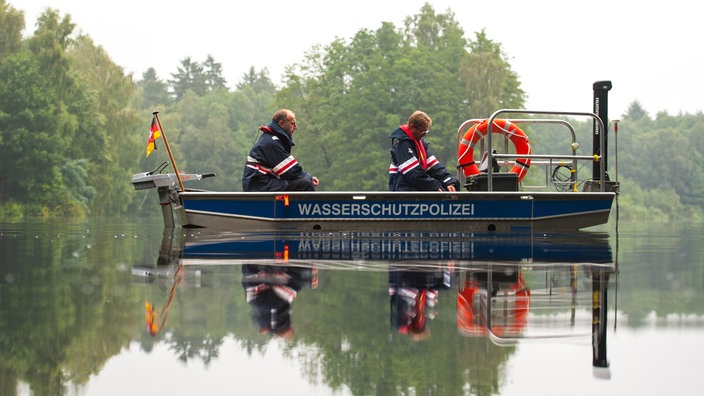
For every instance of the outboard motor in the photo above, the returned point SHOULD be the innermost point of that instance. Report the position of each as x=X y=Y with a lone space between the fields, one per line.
x=167 y=186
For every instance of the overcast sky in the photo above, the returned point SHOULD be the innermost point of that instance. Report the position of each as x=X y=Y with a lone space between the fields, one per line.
x=651 y=52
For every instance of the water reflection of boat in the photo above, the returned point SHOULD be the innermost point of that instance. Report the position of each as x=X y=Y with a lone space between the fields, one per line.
x=509 y=289
x=414 y=248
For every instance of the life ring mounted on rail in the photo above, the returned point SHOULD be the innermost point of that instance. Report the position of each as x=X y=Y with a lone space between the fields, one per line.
x=465 y=151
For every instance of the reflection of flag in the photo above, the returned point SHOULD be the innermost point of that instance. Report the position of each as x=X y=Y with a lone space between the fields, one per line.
x=151 y=319
x=154 y=134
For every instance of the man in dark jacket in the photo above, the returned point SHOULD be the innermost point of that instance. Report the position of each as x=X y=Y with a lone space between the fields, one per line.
x=413 y=167
x=270 y=165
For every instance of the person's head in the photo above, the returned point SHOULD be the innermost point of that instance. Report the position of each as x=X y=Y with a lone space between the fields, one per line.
x=286 y=120
x=419 y=124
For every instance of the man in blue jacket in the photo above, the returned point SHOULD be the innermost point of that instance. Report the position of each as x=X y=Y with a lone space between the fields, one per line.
x=270 y=165
x=413 y=167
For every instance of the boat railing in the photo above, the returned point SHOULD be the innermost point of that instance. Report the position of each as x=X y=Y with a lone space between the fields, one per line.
x=550 y=162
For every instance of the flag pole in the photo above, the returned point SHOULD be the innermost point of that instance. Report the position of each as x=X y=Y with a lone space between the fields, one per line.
x=171 y=156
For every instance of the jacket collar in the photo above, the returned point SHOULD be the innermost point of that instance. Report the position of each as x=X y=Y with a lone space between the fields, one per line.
x=275 y=129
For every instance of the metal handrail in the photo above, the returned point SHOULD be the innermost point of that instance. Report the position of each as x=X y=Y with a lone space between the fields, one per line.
x=573 y=157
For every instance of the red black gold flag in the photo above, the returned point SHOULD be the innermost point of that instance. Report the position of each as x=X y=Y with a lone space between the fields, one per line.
x=154 y=134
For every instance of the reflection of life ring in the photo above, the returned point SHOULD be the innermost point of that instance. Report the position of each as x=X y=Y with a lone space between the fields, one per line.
x=466 y=321
x=472 y=320
x=476 y=132
x=417 y=325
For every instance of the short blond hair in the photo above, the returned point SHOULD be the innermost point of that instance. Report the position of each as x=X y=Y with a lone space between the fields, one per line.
x=420 y=120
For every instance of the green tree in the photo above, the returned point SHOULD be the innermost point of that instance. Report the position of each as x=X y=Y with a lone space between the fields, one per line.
x=65 y=123
x=635 y=112
x=37 y=125
x=670 y=185
x=203 y=139
x=252 y=101
x=258 y=81
x=11 y=26
x=151 y=93
x=189 y=77
x=106 y=125
x=490 y=83
x=198 y=78
x=213 y=75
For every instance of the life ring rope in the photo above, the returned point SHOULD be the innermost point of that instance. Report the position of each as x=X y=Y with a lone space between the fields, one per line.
x=478 y=131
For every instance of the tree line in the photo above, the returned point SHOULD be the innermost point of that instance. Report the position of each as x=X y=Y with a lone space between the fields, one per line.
x=74 y=125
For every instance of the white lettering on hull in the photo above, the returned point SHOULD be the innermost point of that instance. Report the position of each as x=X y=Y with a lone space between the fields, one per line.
x=366 y=209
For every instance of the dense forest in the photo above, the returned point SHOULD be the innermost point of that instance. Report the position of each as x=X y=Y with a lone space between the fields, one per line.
x=74 y=125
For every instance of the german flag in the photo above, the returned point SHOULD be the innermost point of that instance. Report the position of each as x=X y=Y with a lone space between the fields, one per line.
x=154 y=134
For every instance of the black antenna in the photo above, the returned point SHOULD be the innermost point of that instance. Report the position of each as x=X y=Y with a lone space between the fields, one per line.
x=159 y=168
x=601 y=109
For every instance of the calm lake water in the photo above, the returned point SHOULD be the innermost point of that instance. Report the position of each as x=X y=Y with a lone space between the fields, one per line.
x=116 y=307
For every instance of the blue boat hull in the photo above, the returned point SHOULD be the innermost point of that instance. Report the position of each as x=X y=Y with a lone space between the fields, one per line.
x=400 y=211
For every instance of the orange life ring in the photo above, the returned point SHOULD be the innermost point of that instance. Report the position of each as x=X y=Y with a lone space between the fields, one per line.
x=465 y=151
